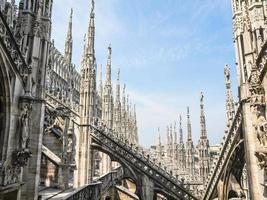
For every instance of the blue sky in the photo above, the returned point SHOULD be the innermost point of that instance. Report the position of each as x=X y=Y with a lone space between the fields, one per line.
x=168 y=51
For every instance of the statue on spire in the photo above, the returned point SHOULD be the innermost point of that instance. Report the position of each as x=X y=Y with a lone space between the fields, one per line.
x=109 y=49
x=71 y=13
x=201 y=98
x=227 y=73
x=92 y=6
x=118 y=75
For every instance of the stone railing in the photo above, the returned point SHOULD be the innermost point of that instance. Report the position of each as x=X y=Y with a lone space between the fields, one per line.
x=131 y=154
x=13 y=51
x=225 y=151
x=97 y=189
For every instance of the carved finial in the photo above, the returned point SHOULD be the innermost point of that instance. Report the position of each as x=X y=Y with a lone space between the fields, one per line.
x=188 y=125
x=202 y=117
x=108 y=69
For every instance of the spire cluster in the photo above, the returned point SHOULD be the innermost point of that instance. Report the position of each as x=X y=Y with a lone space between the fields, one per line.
x=180 y=157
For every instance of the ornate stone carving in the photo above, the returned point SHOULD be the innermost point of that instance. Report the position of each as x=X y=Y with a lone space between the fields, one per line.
x=13 y=49
x=55 y=117
x=262 y=159
x=257 y=102
x=11 y=168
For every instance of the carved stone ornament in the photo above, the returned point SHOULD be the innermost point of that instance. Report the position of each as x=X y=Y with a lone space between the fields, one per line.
x=262 y=159
x=11 y=168
x=55 y=117
x=257 y=102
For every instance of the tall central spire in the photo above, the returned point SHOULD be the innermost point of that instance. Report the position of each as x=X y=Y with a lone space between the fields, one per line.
x=91 y=31
x=202 y=118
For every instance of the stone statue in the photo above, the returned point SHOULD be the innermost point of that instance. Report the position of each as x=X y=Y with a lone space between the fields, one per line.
x=227 y=74
x=201 y=96
x=24 y=118
x=262 y=131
